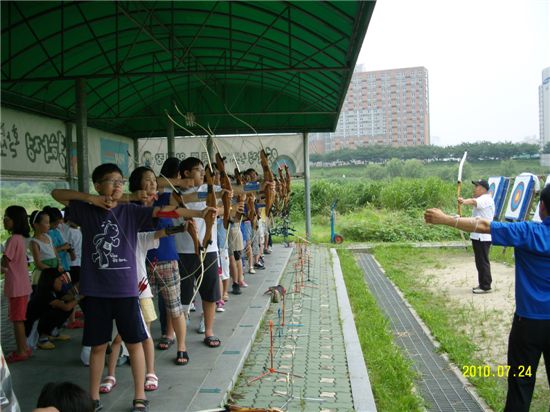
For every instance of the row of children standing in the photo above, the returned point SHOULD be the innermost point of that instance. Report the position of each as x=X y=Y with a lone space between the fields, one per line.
x=116 y=236
x=111 y=237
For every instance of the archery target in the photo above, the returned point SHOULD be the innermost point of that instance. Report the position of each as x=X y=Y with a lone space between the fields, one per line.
x=517 y=196
x=498 y=186
x=520 y=197
x=536 y=216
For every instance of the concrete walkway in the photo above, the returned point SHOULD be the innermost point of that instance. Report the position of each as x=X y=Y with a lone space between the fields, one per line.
x=317 y=359
x=312 y=343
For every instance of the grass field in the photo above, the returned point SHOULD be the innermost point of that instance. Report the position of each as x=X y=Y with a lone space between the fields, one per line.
x=445 y=321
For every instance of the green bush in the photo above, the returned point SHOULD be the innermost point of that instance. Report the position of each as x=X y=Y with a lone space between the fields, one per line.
x=394 y=167
x=353 y=195
x=413 y=168
x=408 y=194
x=371 y=225
x=375 y=172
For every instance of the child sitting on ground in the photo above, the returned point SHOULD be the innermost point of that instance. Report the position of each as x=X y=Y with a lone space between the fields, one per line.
x=51 y=305
x=17 y=286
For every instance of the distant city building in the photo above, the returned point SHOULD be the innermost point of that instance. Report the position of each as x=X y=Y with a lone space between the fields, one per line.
x=388 y=107
x=544 y=108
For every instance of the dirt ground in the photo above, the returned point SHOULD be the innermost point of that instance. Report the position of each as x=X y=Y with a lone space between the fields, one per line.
x=488 y=316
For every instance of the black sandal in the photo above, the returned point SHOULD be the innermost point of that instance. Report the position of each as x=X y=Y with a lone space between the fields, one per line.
x=182 y=358
x=165 y=343
x=140 y=405
x=212 y=342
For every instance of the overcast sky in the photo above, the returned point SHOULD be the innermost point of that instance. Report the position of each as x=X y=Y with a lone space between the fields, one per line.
x=484 y=59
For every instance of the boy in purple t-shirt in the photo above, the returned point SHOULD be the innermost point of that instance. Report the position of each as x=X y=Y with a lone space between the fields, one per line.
x=108 y=271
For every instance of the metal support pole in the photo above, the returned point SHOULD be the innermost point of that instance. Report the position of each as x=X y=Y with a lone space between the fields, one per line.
x=171 y=139
x=82 y=136
x=68 y=153
x=307 y=185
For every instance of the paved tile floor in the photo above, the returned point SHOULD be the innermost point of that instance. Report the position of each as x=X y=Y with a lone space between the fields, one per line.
x=308 y=349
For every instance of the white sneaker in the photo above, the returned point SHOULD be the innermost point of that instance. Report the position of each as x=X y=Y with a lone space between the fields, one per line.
x=202 y=326
x=85 y=355
x=251 y=271
x=192 y=307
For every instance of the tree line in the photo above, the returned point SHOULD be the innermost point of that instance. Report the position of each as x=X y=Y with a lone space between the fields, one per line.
x=479 y=151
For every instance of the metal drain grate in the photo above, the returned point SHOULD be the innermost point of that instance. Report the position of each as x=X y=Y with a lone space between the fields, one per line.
x=439 y=386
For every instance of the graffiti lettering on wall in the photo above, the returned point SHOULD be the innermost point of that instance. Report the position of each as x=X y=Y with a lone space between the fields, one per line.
x=48 y=146
x=247 y=159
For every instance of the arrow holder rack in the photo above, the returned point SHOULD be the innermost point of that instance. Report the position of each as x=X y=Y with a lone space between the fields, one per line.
x=271 y=370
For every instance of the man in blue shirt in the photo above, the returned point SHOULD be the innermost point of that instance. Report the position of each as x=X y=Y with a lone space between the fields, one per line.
x=530 y=334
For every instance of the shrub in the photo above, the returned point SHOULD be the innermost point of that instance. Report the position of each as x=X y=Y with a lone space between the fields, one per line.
x=375 y=172
x=371 y=225
x=394 y=168
x=407 y=194
x=413 y=168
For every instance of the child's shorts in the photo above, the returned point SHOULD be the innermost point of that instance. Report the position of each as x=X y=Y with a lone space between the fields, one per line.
x=190 y=270
x=75 y=274
x=237 y=255
x=246 y=229
x=148 y=309
x=17 y=310
x=224 y=263
x=165 y=278
x=235 y=239
x=98 y=320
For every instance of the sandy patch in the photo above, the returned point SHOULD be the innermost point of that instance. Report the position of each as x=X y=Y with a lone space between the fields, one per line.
x=486 y=318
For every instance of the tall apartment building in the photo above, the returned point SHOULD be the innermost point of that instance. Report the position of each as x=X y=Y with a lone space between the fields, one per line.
x=544 y=108
x=388 y=107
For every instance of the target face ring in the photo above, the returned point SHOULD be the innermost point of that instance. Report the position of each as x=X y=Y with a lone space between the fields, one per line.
x=517 y=196
x=492 y=188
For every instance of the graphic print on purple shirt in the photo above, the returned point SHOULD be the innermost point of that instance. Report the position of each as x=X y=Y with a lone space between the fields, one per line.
x=108 y=267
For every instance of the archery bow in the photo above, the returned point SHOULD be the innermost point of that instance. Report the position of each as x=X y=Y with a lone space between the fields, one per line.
x=240 y=181
x=210 y=218
x=459 y=190
x=268 y=177
x=225 y=184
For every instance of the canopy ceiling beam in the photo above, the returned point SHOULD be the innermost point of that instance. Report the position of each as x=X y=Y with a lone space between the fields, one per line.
x=38 y=40
x=143 y=29
x=147 y=116
x=88 y=25
x=319 y=69
x=261 y=36
x=197 y=35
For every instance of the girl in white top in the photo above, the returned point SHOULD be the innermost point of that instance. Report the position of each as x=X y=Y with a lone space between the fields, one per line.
x=41 y=246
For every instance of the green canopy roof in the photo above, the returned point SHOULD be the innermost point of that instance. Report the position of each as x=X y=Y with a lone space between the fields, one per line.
x=278 y=66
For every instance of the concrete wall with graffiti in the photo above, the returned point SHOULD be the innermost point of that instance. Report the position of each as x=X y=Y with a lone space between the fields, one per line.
x=281 y=149
x=33 y=145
